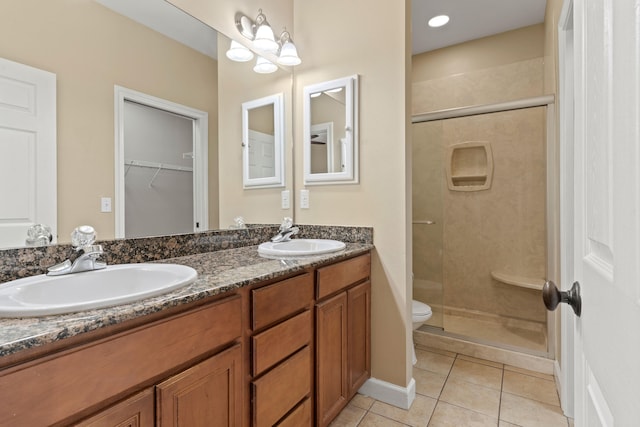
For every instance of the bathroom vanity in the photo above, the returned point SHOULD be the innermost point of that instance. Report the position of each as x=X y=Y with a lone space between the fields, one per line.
x=253 y=342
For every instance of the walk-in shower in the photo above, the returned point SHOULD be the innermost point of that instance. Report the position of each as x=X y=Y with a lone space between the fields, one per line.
x=480 y=222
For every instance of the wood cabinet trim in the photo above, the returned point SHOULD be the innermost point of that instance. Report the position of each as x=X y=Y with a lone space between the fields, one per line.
x=278 y=342
x=278 y=391
x=341 y=275
x=280 y=300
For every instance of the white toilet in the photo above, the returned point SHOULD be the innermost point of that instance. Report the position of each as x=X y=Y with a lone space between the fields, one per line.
x=420 y=313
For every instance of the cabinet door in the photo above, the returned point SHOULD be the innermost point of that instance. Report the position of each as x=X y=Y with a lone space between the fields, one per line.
x=136 y=411
x=208 y=394
x=359 y=336
x=331 y=361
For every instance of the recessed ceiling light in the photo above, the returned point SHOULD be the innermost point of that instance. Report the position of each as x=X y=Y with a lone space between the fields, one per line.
x=438 y=21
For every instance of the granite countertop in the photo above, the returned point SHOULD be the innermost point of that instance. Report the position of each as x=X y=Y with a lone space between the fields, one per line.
x=218 y=272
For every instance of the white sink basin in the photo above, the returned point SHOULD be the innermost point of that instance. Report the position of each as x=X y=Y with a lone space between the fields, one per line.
x=300 y=247
x=116 y=284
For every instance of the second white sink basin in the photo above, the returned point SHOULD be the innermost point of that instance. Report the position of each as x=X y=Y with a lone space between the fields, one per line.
x=116 y=284
x=300 y=247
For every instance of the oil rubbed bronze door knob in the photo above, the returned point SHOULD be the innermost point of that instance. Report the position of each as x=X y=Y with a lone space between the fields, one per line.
x=552 y=297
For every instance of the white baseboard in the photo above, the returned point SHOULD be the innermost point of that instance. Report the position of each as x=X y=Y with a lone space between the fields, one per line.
x=402 y=397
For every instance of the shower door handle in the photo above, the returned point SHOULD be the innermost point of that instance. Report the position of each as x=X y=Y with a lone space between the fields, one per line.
x=552 y=297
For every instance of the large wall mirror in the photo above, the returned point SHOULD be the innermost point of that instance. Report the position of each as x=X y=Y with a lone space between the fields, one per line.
x=263 y=142
x=331 y=132
x=91 y=48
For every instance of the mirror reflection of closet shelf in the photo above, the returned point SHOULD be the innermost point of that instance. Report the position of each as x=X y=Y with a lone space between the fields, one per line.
x=469 y=166
x=263 y=142
x=330 y=132
x=154 y=165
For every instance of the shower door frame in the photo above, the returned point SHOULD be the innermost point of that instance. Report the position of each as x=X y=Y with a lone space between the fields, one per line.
x=552 y=219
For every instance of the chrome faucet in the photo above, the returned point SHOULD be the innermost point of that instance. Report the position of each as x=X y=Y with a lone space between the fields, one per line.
x=87 y=255
x=286 y=231
x=39 y=235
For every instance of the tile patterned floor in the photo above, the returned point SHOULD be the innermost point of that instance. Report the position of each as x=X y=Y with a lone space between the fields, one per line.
x=458 y=391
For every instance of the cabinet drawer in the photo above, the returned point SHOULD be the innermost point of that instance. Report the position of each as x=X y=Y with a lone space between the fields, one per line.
x=277 y=392
x=280 y=300
x=299 y=417
x=335 y=277
x=280 y=341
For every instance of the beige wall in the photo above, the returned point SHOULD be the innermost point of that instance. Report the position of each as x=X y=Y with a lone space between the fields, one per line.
x=238 y=83
x=331 y=49
x=91 y=49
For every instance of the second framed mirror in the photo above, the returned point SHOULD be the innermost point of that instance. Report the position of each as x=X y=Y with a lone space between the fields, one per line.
x=330 y=132
x=263 y=142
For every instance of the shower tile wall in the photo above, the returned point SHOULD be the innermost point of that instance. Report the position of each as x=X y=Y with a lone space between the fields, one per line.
x=502 y=228
x=522 y=79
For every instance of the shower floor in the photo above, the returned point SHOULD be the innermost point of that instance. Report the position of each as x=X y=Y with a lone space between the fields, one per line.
x=492 y=329
x=479 y=326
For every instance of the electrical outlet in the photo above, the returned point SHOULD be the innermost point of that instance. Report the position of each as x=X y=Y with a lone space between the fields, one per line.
x=304 y=199
x=286 y=199
x=105 y=204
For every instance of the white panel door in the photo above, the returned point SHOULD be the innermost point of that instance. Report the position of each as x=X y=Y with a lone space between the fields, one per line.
x=262 y=160
x=27 y=151
x=607 y=211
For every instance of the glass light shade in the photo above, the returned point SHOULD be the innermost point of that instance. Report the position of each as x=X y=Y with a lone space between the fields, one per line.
x=265 y=40
x=264 y=66
x=239 y=53
x=289 y=55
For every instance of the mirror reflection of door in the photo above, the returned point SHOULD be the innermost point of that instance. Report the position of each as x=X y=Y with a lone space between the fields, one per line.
x=327 y=131
x=158 y=153
x=27 y=151
x=322 y=153
x=262 y=161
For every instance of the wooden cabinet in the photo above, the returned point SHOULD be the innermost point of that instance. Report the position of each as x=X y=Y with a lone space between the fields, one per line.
x=281 y=355
x=136 y=411
x=208 y=394
x=289 y=354
x=343 y=355
x=68 y=386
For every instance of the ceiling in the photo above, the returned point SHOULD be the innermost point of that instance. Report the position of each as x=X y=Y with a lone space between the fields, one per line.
x=170 y=21
x=470 y=19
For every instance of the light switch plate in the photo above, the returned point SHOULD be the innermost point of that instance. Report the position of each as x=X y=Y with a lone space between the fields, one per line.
x=286 y=199
x=304 y=199
x=105 y=204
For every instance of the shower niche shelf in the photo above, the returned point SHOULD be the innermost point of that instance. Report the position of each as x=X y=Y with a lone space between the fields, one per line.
x=469 y=166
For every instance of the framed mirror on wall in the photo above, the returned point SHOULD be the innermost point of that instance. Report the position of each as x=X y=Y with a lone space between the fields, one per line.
x=263 y=142
x=331 y=132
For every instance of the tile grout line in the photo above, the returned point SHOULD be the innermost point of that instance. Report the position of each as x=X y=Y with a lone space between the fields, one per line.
x=501 y=391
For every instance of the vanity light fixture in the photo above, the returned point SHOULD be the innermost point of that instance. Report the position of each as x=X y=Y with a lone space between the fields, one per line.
x=264 y=66
x=263 y=40
x=239 y=53
x=438 y=21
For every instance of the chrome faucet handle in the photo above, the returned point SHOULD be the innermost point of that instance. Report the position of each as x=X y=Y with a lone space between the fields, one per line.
x=39 y=235
x=82 y=237
x=287 y=223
